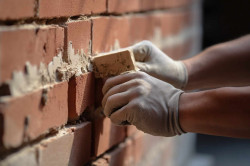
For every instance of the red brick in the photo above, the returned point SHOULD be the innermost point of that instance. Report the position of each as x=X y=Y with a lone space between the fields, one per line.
x=109 y=30
x=173 y=22
x=34 y=45
x=65 y=8
x=169 y=23
x=80 y=94
x=24 y=157
x=16 y=9
x=79 y=33
x=141 y=149
x=126 y=153
x=161 y=4
x=129 y=30
x=71 y=147
x=121 y=155
x=120 y=6
x=25 y=118
x=106 y=135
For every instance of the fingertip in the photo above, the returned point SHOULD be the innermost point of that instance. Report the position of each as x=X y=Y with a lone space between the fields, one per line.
x=119 y=117
x=105 y=111
x=105 y=86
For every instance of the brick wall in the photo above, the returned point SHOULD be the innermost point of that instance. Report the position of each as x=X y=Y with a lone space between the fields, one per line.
x=49 y=99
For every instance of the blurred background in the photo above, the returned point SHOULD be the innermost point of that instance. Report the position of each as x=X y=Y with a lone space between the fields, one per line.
x=223 y=20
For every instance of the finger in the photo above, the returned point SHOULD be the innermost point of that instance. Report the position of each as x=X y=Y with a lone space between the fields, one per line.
x=142 y=50
x=117 y=101
x=119 y=89
x=142 y=66
x=113 y=81
x=122 y=116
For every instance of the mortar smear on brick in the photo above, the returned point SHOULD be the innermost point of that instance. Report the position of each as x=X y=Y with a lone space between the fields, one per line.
x=44 y=76
x=170 y=41
x=30 y=155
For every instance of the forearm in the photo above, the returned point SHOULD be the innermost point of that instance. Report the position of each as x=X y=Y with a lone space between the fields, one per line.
x=226 y=64
x=222 y=112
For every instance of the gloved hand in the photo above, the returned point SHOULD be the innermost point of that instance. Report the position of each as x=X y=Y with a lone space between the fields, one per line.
x=153 y=61
x=144 y=101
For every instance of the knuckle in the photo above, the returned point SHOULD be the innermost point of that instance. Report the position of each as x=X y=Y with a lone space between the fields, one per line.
x=137 y=82
x=145 y=47
x=109 y=100
x=105 y=87
x=141 y=75
x=135 y=106
x=140 y=90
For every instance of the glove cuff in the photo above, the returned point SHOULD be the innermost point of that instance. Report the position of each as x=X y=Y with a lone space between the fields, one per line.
x=174 y=113
x=183 y=74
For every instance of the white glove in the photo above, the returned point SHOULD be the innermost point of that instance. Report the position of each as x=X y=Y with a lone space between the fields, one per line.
x=144 y=101
x=154 y=62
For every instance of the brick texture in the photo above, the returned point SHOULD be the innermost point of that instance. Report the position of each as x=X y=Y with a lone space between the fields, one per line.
x=112 y=33
x=80 y=95
x=72 y=149
x=35 y=45
x=120 y=6
x=13 y=9
x=79 y=33
x=60 y=121
x=27 y=123
x=106 y=135
x=65 y=8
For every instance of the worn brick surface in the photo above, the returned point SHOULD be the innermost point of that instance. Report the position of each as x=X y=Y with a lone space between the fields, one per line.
x=34 y=45
x=121 y=6
x=106 y=135
x=140 y=149
x=79 y=33
x=64 y=8
x=25 y=118
x=110 y=32
x=113 y=63
x=24 y=157
x=89 y=27
x=126 y=153
x=69 y=148
x=81 y=94
x=17 y=9
x=122 y=155
x=158 y=25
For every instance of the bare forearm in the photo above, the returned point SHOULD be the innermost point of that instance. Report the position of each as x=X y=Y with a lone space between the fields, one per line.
x=226 y=64
x=222 y=112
